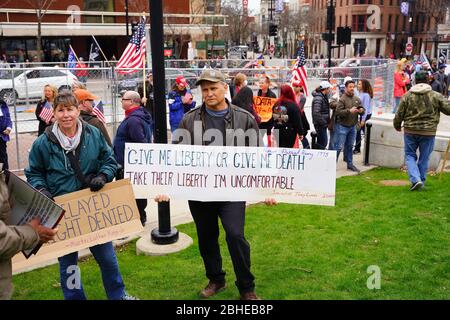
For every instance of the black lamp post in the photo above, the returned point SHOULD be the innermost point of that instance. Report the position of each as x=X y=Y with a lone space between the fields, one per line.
x=164 y=234
x=330 y=27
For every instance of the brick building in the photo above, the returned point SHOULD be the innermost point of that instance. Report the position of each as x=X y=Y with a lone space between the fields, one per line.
x=378 y=27
x=74 y=21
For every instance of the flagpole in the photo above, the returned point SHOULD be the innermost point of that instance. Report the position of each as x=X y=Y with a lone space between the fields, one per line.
x=100 y=48
x=76 y=57
x=144 y=93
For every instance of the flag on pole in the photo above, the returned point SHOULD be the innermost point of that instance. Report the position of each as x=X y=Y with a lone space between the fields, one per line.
x=99 y=112
x=94 y=52
x=404 y=8
x=299 y=73
x=72 y=60
x=423 y=62
x=133 y=55
x=46 y=113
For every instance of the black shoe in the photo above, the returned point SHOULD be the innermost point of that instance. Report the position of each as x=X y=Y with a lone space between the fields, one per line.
x=353 y=168
x=416 y=186
x=356 y=151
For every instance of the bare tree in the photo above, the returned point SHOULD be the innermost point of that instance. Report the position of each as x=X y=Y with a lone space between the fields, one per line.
x=239 y=25
x=41 y=7
x=436 y=11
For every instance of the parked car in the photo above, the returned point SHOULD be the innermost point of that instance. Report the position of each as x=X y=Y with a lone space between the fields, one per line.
x=132 y=81
x=30 y=83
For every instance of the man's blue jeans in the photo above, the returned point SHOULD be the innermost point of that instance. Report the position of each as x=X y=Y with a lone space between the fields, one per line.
x=106 y=258
x=417 y=170
x=344 y=140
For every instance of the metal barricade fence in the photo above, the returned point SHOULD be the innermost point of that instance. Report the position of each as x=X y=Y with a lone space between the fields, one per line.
x=22 y=89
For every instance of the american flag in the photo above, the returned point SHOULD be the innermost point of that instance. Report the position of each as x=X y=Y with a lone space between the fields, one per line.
x=46 y=113
x=99 y=112
x=299 y=73
x=133 y=56
x=423 y=61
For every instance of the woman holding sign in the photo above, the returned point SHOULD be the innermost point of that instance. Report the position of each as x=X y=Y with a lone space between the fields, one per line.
x=72 y=155
x=264 y=91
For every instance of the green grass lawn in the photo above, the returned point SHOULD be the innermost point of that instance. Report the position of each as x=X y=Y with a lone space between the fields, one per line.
x=304 y=252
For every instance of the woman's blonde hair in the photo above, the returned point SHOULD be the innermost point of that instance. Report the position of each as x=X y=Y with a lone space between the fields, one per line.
x=399 y=66
x=54 y=90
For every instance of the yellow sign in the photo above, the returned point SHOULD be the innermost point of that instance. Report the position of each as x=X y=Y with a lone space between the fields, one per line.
x=91 y=218
x=263 y=107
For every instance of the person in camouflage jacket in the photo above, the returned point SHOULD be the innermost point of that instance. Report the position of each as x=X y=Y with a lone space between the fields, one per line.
x=419 y=111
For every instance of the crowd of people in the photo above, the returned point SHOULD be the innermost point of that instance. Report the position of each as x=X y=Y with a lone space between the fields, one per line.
x=74 y=149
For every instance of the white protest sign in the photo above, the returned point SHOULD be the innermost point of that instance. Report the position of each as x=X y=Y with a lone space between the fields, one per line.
x=216 y=173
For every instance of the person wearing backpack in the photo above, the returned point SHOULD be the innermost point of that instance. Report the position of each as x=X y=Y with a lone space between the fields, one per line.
x=287 y=118
x=137 y=128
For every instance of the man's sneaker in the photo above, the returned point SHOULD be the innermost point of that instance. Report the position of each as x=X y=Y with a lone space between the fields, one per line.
x=249 y=296
x=356 y=151
x=212 y=288
x=126 y=296
x=416 y=186
x=353 y=168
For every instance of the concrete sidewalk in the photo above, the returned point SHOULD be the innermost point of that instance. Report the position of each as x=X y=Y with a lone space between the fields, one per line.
x=180 y=214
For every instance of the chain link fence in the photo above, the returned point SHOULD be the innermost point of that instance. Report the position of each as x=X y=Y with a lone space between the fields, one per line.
x=23 y=88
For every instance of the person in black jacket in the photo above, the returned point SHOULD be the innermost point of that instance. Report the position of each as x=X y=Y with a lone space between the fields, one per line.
x=45 y=120
x=321 y=114
x=244 y=95
x=147 y=102
x=286 y=118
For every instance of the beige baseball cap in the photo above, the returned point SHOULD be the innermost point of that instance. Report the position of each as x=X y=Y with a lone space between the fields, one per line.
x=211 y=75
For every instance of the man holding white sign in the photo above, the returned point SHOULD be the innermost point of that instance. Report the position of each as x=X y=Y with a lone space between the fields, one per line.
x=220 y=117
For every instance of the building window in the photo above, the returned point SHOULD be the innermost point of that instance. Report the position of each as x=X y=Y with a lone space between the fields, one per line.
x=397 y=17
x=389 y=22
x=210 y=5
x=359 y=23
x=363 y=2
x=99 y=5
